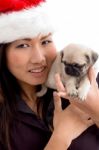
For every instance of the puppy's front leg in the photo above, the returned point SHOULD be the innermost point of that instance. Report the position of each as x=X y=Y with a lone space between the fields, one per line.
x=84 y=88
x=71 y=87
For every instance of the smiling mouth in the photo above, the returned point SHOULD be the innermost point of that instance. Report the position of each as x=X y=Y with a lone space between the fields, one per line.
x=37 y=70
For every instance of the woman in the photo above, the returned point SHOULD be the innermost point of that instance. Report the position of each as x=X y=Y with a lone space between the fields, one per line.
x=26 y=121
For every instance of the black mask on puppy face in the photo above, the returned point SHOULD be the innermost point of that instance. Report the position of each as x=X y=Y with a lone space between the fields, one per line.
x=72 y=69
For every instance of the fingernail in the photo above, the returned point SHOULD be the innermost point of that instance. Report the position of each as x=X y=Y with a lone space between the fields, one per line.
x=54 y=94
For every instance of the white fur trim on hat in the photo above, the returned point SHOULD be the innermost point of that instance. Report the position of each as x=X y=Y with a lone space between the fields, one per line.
x=26 y=23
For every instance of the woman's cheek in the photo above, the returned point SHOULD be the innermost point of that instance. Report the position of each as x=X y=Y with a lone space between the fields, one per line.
x=53 y=54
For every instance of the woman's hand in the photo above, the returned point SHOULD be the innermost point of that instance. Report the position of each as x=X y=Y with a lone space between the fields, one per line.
x=70 y=122
x=76 y=118
x=91 y=104
x=68 y=125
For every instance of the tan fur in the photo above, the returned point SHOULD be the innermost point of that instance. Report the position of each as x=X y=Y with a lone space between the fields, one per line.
x=73 y=54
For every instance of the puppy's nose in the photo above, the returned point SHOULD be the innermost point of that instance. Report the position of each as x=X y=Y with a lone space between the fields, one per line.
x=72 y=71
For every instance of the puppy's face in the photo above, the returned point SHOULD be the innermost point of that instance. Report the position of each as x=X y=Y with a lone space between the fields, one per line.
x=76 y=60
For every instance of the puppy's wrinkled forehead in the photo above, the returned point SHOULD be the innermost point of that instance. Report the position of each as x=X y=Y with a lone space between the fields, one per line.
x=74 y=53
x=71 y=56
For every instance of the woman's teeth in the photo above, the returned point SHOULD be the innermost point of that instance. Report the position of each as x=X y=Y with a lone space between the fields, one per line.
x=38 y=70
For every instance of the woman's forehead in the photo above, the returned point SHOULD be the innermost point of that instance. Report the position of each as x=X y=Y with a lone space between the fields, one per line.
x=40 y=37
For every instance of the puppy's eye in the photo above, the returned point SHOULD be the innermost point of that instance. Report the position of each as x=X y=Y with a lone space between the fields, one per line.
x=84 y=65
x=76 y=65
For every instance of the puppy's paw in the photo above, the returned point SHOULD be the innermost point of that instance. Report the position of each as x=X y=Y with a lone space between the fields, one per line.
x=83 y=91
x=72 y=92
x=82 y=96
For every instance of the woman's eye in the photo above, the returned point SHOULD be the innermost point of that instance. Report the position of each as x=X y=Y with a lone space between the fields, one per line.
x=23 y=46
x=46 y=42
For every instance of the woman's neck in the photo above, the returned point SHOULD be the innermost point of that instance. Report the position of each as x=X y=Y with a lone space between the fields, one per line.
x=30 y=100
x=29 y=96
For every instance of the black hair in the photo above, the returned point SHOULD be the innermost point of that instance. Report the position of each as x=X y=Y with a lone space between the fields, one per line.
x=9 y=88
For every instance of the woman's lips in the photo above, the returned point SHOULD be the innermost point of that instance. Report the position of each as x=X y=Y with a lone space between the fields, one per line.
x=38 y=71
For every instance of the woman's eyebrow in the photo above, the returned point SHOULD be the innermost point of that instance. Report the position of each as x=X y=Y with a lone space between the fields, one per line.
x=27 y=39
x=44 y=37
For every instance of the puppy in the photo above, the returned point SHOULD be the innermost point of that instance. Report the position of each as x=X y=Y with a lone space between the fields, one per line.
x=72 y=64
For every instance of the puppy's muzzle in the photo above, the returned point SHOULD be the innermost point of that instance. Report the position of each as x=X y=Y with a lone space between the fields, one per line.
x=72 y=70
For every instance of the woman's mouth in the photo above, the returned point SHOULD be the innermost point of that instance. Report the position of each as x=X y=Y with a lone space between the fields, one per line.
x=37 y=72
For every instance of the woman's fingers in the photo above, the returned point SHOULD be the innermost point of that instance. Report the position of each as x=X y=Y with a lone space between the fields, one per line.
x=60 y=87
x=57 y=102
x=71 y=118
x=59 y=84
x=92 y=76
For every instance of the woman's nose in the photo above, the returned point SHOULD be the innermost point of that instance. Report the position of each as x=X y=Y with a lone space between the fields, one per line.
x=38 y=56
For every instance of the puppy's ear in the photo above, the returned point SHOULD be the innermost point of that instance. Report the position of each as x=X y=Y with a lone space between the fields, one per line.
x=61 y=54
x=87 y=59
x=94 y=57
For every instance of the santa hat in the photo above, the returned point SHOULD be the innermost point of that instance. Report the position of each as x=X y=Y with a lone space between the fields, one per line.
x=21 y=19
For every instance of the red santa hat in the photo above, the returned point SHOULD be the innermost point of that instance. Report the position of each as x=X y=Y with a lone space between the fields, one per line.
x=21 y=19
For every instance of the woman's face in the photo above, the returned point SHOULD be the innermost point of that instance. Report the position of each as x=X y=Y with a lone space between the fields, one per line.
x=29 y=60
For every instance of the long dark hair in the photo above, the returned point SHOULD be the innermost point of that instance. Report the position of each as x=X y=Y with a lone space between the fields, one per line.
x=9 y=88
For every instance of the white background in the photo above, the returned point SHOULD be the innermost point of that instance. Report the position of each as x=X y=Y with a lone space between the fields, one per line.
x=77 y=22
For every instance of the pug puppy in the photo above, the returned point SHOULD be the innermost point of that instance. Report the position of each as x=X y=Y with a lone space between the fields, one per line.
x=72 y=63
